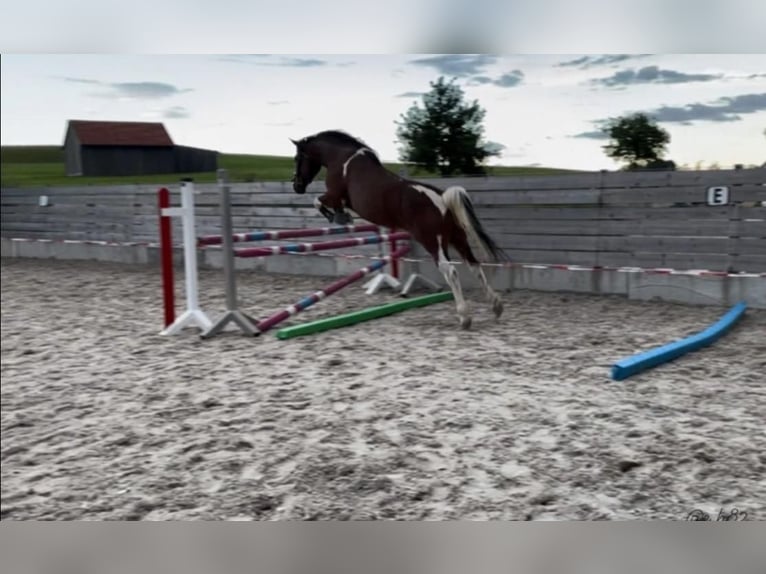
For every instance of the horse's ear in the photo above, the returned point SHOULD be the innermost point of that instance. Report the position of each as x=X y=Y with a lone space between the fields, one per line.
x=294 y=142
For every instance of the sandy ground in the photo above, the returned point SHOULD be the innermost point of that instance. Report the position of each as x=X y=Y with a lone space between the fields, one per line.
x=402 y=418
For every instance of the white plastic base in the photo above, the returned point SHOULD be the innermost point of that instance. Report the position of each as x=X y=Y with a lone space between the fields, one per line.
x=416 y=278
x=380 y=281
x=244 y=322
x=190 y=318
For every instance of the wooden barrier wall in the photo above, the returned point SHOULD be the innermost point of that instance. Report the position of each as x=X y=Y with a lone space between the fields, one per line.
x=639 y=219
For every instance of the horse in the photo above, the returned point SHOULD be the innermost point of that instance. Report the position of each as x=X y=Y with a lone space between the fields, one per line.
x=437 y=219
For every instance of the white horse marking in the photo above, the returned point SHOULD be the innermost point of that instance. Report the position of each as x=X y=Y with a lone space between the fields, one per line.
x=360 y=151
x=435 y=198
x=451 y=275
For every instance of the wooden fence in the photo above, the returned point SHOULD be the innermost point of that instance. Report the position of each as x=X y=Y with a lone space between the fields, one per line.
x=639 y=219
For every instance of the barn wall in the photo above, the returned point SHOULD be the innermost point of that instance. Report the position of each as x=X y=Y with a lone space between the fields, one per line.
x=124 y=160
x=195 y=160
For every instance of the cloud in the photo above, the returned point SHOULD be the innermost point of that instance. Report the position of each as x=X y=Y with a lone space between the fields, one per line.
x=586 y=62
x=301 y=62
x=410 y=95
x=652 y=75
x=470 y=67
x=495 y=148
x=132 y=90
x=144 y=90
x=176 y=112
x=274 y=60
x=80 y=80
x=460 y=65
x=278 y=102
x=595 y=134
x=726 y=109
x=508 y=80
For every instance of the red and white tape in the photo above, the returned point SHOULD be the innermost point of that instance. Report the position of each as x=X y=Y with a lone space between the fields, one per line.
x=559 y=266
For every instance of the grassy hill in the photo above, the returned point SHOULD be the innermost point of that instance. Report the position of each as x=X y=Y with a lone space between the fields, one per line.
x=30 y=166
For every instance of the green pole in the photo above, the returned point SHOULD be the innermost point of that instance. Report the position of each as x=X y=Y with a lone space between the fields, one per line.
x=360 y=316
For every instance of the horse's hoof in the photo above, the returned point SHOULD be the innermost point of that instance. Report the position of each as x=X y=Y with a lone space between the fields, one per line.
x=343 y=219
x=328 y=214
x=465 y=323
x=497 y=308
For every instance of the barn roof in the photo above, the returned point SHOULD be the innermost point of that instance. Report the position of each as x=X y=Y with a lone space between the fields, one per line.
x=121 y=133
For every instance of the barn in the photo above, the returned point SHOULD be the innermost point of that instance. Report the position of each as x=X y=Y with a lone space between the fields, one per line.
x=108 y=148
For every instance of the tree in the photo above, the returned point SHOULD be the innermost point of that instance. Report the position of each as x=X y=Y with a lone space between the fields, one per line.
x=637 y=140
x=446 y=133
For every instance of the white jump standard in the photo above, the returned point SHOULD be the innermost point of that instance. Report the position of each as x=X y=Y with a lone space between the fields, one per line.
x=193 y=316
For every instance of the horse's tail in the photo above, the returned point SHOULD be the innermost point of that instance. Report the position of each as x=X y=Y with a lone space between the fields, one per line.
x=459 y=203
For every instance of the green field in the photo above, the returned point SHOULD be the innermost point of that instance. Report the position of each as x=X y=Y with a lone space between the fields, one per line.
x=32 y=166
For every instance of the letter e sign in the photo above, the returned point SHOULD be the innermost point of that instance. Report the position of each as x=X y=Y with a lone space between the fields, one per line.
x=718 y=195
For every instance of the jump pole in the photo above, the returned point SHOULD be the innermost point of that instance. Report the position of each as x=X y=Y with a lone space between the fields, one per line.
x=288 y=234
x=318 y=246
x=193 y=316
x=640 y=362
x=360 y=316
x=306 y=302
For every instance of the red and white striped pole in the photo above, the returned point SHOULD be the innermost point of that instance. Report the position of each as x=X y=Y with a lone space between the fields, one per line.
x=317 y=245
x=286 y=313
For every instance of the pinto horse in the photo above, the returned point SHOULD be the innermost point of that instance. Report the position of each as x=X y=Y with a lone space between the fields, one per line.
x=435 y=218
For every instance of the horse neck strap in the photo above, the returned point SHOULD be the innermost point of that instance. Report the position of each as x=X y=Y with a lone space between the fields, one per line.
x=360 y=151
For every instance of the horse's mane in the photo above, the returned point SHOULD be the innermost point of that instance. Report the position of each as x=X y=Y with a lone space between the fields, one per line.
x=343 y=138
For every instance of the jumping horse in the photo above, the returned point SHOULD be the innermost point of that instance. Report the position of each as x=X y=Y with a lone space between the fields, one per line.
x=435 y=218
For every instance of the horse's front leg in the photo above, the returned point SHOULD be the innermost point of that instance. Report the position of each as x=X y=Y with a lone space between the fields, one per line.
x=324 y=210
x=332 y=208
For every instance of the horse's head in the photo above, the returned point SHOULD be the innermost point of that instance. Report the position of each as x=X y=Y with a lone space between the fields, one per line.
x=307 y=165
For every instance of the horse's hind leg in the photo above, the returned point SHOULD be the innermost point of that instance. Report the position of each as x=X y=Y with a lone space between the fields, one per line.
x=451 y=275
x=460 y=243
x=492 y=296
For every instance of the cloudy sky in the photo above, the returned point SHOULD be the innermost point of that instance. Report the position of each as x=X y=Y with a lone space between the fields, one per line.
x=544 y=110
